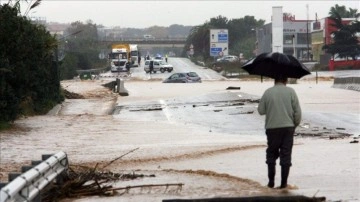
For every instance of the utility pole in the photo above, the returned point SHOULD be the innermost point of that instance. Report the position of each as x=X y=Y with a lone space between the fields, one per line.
x=307 y=30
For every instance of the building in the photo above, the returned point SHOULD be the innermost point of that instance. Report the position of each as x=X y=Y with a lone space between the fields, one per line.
x=321 y=31
x=296 y=38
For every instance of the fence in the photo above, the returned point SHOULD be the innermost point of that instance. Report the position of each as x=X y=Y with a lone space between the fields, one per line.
x=27 y=186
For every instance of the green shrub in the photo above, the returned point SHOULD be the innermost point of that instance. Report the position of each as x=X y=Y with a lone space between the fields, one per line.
x=29 y=77
x=4 y=125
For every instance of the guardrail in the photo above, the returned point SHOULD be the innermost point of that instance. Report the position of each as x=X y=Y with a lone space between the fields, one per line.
x=349 y=83
x=28 y=185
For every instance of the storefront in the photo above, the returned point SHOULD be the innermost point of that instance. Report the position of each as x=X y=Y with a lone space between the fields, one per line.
x=296 y=38
x=321 y=34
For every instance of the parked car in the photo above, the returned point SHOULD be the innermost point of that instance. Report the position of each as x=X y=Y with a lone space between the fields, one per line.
x=158 y=57
x=159 y=65
x=228 y=58
x=187 y=77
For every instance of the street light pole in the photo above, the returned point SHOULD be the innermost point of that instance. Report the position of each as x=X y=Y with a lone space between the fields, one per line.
x=256 y=41
x=293 y=41
x=257 y=45
x=57 y=77
x=307 y=31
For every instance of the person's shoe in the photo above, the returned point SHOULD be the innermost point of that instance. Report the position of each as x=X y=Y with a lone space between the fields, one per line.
x=271 y=184
x=284 y=176
x=283 y=186
x=271 y=175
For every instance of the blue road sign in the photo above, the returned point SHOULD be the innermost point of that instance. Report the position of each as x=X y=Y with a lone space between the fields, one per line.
x=215 y=51
x=222 y=37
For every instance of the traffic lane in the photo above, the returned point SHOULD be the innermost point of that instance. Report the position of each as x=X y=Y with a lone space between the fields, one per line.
x=186 y=65
x=139 y=73
x=180 y=65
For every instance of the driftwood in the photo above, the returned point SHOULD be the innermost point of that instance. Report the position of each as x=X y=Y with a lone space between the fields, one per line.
x=119 y=157
x=127 y=188
x=82 y=181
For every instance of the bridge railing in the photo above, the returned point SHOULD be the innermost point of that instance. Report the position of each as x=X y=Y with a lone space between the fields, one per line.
x=142 y=39
x=28 y=185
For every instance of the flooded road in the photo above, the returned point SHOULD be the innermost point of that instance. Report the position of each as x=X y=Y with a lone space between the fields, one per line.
x=209 y=138
x=220 y=112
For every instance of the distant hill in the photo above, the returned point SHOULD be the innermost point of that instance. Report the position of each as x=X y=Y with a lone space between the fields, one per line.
x=173 y=31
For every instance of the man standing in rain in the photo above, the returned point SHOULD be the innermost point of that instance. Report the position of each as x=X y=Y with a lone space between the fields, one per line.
x=281 y=107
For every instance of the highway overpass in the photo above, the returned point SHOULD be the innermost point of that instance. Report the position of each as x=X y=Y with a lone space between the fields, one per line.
x=148 y=43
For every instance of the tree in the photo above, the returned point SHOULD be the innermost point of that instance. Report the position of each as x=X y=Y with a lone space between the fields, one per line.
x=241 y=36
x=199 y=38
x=178 y=30
x=29 y=81
x=345 y=40
x=81 y=49
x=220 y=22
x=343 y=12
x=157 y=31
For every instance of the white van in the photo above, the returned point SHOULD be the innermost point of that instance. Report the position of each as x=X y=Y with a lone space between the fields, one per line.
x=159 y=65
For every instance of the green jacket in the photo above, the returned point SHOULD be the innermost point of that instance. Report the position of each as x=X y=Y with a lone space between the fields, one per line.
x=281 y=106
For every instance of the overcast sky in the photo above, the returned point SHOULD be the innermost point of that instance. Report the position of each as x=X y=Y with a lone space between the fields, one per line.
x=146 y=13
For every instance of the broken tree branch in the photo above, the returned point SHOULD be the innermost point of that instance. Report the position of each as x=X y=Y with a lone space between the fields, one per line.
x=119 y=157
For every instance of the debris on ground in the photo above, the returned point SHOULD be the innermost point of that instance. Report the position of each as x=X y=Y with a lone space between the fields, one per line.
x=233 y=88
x=71 y=95
x=81 y=181
x=245 y=112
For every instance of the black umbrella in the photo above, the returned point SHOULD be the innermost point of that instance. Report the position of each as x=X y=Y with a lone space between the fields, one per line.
x=275 y=65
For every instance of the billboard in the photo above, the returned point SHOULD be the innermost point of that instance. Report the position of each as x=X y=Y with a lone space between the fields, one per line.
x=277 y=29
x=219 y=42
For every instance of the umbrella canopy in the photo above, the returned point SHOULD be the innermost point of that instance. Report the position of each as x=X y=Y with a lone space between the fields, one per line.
x=275 y=65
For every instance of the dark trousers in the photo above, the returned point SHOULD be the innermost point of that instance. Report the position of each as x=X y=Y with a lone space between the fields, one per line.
x=280 y=142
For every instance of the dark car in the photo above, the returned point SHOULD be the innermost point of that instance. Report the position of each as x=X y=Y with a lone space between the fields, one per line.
x=188 y=77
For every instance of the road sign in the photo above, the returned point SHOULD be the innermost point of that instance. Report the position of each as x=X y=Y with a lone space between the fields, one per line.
x=215 y=51
x=191 y=51
x=222 y=37
x=219 y=36
x=219 y=40
x=216 y=48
